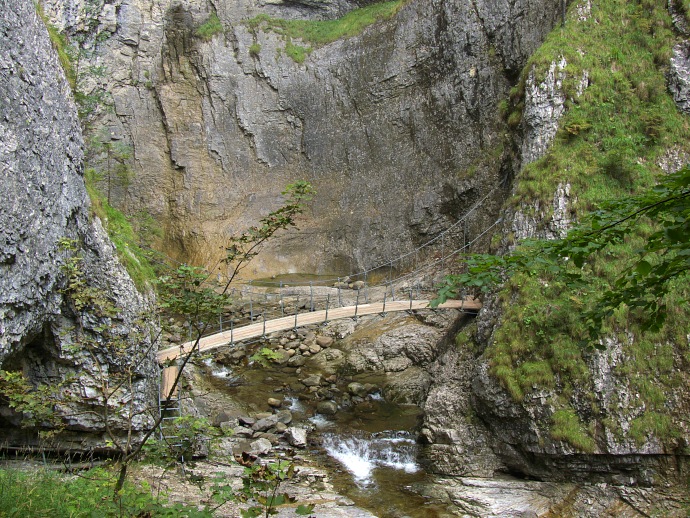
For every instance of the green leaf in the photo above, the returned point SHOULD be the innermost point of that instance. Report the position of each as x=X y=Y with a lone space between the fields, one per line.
x=304 y=509
x=643 y=268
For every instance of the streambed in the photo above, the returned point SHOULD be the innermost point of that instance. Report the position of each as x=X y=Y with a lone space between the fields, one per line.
x=368 y=447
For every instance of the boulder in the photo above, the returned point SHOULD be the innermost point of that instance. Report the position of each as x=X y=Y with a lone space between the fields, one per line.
x=296 y=361
x=261 y=446
x=296 y=436
x=284 y=416
x=324 y=341
x=265 y=424
x=246 y=420
x=312 y=381
x=327 y=407
x=242 y=431
x=357 y=389
x=274 y=402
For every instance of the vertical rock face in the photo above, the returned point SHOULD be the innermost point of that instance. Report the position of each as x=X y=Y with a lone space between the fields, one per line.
x=44 y=203
x=397 y=127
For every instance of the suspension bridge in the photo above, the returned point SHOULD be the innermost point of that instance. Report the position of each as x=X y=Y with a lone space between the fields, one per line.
x=268 y=307
x=278 y=306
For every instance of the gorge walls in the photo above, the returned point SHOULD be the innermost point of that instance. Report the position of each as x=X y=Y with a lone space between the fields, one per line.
x=45 y=211
x=397 y=128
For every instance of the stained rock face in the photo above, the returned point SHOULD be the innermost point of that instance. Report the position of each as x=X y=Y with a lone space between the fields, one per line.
x=397 y=128
x=45 y=202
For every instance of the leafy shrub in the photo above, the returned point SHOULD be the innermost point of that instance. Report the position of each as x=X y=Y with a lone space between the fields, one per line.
x=254 y=49
x=567 y=427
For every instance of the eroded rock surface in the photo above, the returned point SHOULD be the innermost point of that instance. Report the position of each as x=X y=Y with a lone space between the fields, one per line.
x=45 y=202
x=397 y=127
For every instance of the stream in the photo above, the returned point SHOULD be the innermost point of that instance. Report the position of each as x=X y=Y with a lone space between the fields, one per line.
x=368 y=449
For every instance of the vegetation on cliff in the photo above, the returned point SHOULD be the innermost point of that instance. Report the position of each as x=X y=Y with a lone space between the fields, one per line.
x=620 y=124
x=316 y=33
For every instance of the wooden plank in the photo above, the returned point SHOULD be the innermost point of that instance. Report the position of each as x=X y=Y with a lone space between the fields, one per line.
x=303 y=319
x=167 y=379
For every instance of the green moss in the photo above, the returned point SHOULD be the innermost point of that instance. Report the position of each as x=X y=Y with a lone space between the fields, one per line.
x=210 y=27
x=566 y=426
x=624 y=119
x=61 y=46
x=297 y=52
x=652 y=423
x=254 y=49
x=319 y=33
x=123 y=236
x=608 y=145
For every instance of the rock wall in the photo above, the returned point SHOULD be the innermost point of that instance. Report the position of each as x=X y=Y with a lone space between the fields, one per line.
x=397 y=128
x=469 y=412
x=45 y=202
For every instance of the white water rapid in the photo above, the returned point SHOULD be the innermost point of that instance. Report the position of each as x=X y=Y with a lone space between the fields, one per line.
x=362 y=453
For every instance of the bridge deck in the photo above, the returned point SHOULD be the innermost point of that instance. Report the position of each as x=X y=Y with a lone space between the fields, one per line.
x=303 y=319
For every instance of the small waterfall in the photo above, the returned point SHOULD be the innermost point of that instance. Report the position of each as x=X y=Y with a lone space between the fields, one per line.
x=295 y=405
x=320 y=422
x=362 y=453
x=219 y=371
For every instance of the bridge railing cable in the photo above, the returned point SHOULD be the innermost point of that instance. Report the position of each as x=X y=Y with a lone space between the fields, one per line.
x=251 y=304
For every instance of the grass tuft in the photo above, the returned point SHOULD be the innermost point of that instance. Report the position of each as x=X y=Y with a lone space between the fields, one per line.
x=61 y=46
x=123 y=236
x=210 y=28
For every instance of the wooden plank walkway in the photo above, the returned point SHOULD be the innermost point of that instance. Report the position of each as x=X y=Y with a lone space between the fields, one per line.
x=167 y=379
x=303 y=319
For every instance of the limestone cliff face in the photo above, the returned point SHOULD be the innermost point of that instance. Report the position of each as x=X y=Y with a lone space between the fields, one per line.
x=44 y=202
x=397 y=128
x=470 y=415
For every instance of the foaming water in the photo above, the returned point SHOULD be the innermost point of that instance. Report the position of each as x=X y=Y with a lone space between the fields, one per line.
x=362 y=453
x=320 y=422
x=219 y=371
x=295 y=404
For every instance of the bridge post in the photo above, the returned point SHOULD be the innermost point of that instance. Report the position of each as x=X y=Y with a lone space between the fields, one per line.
x=383 y=312
x=282 y=308
x=328 y=300
x=410 y=298
x=296 y=310
x=464 y=233
x=220 y=319
x=340 y=297
x=263 y=334
x=366 y=287
x=356 y=305
x=232 y=329
x=251 y=304
x=311 y=296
